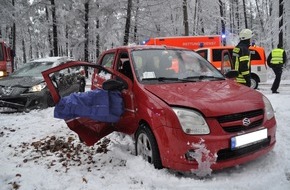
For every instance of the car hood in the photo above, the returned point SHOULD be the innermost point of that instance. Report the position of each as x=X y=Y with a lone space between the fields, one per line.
x=214 y=98
x=20 y=81
x=15 y=86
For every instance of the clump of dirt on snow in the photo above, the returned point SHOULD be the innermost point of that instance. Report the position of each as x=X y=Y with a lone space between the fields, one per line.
x=62 y=151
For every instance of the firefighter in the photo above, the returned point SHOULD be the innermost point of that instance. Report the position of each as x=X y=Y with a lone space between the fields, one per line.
x=241 y=57
x=276 y=60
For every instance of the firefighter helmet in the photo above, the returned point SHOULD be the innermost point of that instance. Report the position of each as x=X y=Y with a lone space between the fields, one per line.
x=246 y=34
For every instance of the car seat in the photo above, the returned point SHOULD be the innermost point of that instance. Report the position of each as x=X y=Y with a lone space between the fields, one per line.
x=165 y=67
x=127 y=70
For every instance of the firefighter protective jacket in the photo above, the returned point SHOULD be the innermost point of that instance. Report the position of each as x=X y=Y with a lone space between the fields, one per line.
x=241 y=60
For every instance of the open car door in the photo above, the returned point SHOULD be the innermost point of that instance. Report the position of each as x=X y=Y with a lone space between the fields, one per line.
x=226 y=62
x=89 y=130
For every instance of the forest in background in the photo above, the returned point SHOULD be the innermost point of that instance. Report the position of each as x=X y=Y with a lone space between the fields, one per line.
x=84 y=28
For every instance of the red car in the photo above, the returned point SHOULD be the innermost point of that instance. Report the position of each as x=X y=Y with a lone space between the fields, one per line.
x=183 y=112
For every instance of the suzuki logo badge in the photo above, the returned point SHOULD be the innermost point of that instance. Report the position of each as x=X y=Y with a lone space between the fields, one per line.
x=246 y=122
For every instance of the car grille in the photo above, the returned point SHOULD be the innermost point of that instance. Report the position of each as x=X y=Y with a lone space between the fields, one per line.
x=225 y=154
x=234 y=122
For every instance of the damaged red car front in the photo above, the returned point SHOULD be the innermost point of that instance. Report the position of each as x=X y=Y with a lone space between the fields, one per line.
x=184 y=114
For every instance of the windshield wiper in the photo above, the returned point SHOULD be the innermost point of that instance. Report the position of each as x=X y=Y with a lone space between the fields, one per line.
x=163 y=78
x=201 y=77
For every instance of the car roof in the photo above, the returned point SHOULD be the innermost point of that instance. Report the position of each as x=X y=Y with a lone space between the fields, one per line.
x=136 y=47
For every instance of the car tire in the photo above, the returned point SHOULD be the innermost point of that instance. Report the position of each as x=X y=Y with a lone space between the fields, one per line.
x=50 y=102
x=254 y=82
x=146 y=146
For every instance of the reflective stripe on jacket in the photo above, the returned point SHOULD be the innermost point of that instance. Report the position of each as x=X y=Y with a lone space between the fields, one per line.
x=277 y=56
x=238 y=60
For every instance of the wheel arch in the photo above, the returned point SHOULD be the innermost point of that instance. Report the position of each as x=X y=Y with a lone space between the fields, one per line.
x=254 y=75
x=143 y=124
x=256 y=79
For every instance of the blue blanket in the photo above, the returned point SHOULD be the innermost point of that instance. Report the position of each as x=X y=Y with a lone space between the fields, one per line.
x=99 y=105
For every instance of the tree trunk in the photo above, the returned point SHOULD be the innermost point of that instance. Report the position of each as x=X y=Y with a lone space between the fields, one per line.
x=222 y=22
x=185 y=18
x=231 y=17
x=136 y=23
x=30 y=45
x=98 y=36
x=54 y=28
x=49 y=34
x=24 y=51
x=245 y=14
x=13 y=38
x=260 y=17
x=67 y=40
x=86 y=50
x=195 y=17
x=127 y=25
x=237 y=15
x=281 y=8
x=98 y=40
x=200 y=22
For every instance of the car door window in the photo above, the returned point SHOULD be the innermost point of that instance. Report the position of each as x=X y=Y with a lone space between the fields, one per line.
x=124 y=65
x=217 y=54
x=255 y=55
x=65 y=82
x=226 y=61
x=108 y=60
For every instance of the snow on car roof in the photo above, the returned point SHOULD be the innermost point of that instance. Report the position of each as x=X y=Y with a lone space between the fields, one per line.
x=56 y=60
x=50 y=59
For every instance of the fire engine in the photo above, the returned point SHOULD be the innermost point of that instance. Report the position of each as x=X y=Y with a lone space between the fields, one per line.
x=6 y=59
x=189 y=42
x=211 y=48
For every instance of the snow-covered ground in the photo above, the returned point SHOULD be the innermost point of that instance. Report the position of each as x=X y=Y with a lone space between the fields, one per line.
x=39 y=152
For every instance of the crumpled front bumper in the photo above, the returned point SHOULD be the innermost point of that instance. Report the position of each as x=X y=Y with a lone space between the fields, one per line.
x=6 y=106
x=24 y=103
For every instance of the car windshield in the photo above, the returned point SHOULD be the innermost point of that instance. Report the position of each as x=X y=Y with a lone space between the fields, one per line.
x=32 y=69
x=173 y=65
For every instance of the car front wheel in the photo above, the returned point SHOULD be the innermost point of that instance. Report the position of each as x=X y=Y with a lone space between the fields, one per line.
x=50 y=101
x=147 y=147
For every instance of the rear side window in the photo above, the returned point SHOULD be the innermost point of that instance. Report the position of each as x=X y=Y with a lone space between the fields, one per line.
x=217 y=54
x=255 y=55
x=108 y=60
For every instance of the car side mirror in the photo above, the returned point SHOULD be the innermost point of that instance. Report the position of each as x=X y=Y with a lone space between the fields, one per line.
x=113 y=84
x=232 y=74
